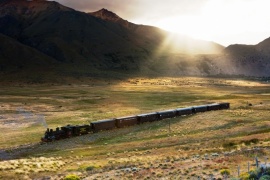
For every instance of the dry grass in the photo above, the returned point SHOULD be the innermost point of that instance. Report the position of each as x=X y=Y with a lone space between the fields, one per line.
x=199 y=145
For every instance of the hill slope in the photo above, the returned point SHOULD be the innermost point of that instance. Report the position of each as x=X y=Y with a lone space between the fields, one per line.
x=19 y=59
x=173 y=42
x=249 y=59
x=103 y=44
x=86 y=42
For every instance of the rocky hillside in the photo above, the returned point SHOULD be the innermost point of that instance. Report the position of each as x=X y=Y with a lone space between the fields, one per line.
x=82 y=43
x=249 y=59
x=44 y=37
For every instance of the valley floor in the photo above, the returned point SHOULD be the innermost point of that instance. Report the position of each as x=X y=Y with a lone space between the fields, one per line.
x=199 y=145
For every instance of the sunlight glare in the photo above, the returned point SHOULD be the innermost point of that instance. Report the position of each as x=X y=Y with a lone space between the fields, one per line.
x=219 y=19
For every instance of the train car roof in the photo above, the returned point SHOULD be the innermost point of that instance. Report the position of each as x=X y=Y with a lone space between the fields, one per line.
x=188 y=108
x=171 y=110
x=214 y=104
x=199 y=106
x=147 y=114
x=127 y=117
x=101 y=121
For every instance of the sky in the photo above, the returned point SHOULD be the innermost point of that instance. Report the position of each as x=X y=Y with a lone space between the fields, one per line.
x=223 y=21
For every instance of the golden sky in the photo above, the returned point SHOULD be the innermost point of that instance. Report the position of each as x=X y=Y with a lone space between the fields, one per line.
x=223 y=21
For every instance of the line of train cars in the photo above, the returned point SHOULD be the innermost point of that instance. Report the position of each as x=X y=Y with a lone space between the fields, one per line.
x=77 y=130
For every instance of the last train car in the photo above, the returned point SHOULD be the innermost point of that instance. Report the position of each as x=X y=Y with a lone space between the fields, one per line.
x=213 y=107
x=224 y=105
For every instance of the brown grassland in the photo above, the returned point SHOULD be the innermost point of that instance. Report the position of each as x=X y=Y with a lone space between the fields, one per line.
x=199 y=145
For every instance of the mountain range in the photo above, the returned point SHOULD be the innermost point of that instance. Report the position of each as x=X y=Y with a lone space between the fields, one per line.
x=43 y=41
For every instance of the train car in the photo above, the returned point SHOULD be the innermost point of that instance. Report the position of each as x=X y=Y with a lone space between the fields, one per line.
x=150 y=117
x=184 y=111
x=76 y=130
x=167 y=114
x=198 y=109
x=224 y=105
x=126 y=121
x=213 y=107
x=81 y=129
x=103 y=125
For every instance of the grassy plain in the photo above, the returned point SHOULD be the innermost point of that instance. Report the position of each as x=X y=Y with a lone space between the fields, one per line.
x=196 y=145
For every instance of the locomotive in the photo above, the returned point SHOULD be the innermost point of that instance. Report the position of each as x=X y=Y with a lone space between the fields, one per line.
x=109 y=124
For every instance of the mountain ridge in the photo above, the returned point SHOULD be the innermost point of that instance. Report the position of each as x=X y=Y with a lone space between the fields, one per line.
x=101 y=42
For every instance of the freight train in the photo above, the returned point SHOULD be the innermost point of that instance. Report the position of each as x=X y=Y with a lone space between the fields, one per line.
x=109 y=124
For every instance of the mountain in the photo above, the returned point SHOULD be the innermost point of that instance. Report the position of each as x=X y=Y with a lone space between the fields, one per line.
x=264 y=47
x=44 y=40
x=234 y=60
x=83 y=43
x=251 y=60
x=112 y=17
x=175 y=43
x=20 y=62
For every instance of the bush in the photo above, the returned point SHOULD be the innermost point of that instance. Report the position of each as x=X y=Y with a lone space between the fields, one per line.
x=71 y=177
x=267 y=172
x=248 y=142
x=229 y=145
x=253 y=175
x=265 y=177
x=89 y=168
x=244 y=176
x=225 y=172
x=255 y=140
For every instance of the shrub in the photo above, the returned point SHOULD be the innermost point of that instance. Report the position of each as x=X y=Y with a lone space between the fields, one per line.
x=267 y=172
x=71 y=177
x=244 y=176
x=252 y=176
x=225 y=172
x=229 y=145
x=254 y=141
x=265 y=177
x=89 y=168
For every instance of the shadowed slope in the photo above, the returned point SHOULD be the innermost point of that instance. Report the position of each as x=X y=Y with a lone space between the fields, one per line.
x=90 y=44
x=25 y=62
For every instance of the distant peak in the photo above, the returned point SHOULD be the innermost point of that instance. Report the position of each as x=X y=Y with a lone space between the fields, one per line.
x=105 y=14
x=104 y=9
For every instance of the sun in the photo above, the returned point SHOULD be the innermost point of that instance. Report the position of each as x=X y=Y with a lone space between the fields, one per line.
x=186 y=25
x=206 y=24
x=222 y=21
